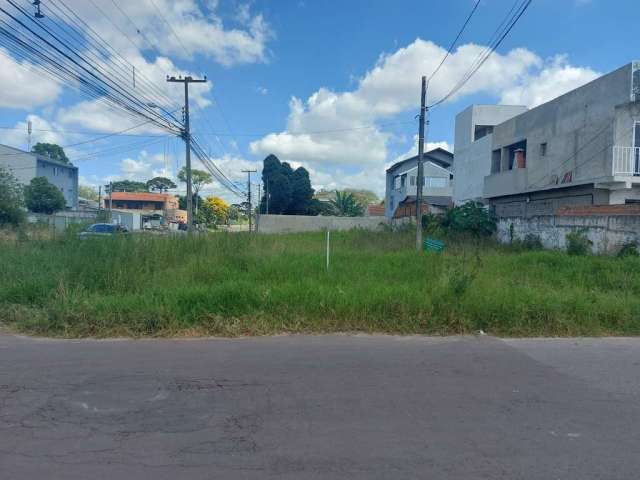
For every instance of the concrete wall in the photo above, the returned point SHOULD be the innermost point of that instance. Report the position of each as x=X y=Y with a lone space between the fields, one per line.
x=607 y=232
x=300 y=223
x=577 y=127
x=473 y=157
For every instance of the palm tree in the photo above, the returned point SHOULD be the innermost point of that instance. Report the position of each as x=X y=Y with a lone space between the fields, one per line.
x=346 y=205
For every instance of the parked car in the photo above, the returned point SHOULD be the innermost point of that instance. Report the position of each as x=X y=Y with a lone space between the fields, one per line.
x=102 y=230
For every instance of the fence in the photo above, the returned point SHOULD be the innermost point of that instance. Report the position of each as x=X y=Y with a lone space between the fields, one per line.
x=59 y=222
x=607 y=232
x=301 y=223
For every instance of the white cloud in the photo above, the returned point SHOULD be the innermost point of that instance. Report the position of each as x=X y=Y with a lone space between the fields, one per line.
x=42 y=131
x=556 y=78
x=31 y=87
x=323 y=131
x=181 y=28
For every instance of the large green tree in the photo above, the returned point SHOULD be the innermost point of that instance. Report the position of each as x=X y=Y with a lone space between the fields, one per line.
x=11 y=200
x=289 y=190
x=160 y=184
x=199 y=178
x=42 y=196
x=51 y=150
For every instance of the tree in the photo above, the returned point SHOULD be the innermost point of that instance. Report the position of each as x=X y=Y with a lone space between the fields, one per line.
x=128 y=186
x=471 y=218
x=41 y=196
x=219 y=208
x=301 y=192
x=182 y=201
x=199 y=178
x=161 y=184
x=346 y=205
x=11 y=200
x=87 y=192
x=364 y=197
x=289 y=190
x=51 y=150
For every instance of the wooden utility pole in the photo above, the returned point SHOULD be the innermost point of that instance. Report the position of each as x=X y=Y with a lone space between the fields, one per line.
x=249 y=209
x=420 y=180
x=186 y=135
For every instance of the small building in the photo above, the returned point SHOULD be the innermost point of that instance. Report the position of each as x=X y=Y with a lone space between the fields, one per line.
x=582 y=148
x=401 y=182
x=26 y=166
x=153 y=207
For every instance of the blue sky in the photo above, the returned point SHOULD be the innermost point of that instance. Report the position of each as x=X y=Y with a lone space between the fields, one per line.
x=290 y=77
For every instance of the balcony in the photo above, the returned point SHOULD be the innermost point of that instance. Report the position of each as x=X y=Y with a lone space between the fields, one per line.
x=626 y=161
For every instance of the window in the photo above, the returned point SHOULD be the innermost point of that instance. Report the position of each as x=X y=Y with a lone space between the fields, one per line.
x=396 y=182
x=403 y=180
x=543 y=149
x=437 y=182
x=482 y=131
x=412 y=180
x=496 y=158
x=55 y=171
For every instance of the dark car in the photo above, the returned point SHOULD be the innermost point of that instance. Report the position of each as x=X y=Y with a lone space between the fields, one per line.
x=102 y=229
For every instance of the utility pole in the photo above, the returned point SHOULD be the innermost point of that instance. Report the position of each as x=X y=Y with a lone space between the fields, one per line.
x=420 y=180
x=186 y=135
x=110 y=201
x=99 y=197
x=259 y=196
x=249 y=172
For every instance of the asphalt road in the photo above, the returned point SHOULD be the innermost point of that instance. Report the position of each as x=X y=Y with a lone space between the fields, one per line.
x=356 y=407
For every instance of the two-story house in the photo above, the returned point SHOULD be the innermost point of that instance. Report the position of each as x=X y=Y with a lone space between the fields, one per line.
x=582 y=148
x=25 y=166
x=401 y=184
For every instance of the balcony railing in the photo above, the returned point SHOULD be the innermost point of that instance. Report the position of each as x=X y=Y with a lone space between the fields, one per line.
x=626 y=161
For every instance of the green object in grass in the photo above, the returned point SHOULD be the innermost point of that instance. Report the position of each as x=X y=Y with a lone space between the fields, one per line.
x=433 y=245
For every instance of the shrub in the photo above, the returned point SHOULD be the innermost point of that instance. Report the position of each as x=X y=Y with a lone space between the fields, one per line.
x=532 y=242
x=472 y=218
x=11 y=212
x=41 y=196
x=578 y=243
x=629 y=249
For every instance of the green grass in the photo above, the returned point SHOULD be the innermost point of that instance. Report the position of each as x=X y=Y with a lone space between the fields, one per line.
x=236 y=284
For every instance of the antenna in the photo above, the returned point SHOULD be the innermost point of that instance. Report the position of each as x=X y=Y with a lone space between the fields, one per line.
x=29 y=130
x=38 y=14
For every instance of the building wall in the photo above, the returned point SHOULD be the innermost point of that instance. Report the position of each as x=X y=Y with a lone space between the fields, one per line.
x=301 y=223
x=26 y=166
x=607 y=232
x=547 y=202
x=578 y=130
x=473 y=157
x=394 y=196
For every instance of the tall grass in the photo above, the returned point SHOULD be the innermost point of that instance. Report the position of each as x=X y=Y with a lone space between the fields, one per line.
x=237 y=284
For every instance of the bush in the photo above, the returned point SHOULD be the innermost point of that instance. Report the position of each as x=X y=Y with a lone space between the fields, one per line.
x=629 y=249
x=41 y=196
x=11 y=211
x=532 y=242
x=471 y=218
x=578 y=243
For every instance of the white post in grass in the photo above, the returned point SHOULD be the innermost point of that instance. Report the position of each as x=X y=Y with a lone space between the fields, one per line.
x=327 y=250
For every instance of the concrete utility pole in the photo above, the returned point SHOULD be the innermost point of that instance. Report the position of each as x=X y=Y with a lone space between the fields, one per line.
x=420 y=180
x=186 y=135
x=266 y=189
x=249 y=172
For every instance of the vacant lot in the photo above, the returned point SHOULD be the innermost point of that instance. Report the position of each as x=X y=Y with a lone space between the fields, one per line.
x=237 y=284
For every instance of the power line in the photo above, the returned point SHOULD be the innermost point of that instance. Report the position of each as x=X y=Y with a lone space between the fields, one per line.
x=502 y=32
x=455 y=41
